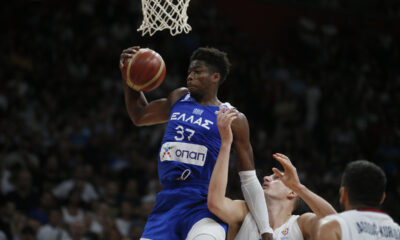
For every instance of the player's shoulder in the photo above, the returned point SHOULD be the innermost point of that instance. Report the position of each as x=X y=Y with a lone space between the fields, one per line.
x=176 y=94
x=241 y=116
x=328 y=223
x=328 y=228
x=305 y=220
x=240 y=121
x=306 y=217
x=179 y=92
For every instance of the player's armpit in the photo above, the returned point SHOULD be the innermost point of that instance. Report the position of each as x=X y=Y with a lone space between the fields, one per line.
x=230 y=211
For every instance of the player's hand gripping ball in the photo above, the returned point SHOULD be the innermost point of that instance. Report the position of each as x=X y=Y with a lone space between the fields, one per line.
x=144 y=69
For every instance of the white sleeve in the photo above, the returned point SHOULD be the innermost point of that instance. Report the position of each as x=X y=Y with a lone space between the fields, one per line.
x=62 y=190
x=254 y=196
x=41 y=234
x=89 y=193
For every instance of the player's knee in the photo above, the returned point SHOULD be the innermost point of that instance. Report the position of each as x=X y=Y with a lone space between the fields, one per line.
x=204 y=237
x=206 y=229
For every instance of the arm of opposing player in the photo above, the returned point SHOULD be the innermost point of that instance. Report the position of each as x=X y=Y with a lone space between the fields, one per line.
x=251 y=187
x=229 y=211
x=290 y=178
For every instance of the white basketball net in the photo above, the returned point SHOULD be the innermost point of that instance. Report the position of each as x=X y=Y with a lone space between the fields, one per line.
x=164 y=14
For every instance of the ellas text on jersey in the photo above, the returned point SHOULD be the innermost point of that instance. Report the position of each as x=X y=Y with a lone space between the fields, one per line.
x=202 y=122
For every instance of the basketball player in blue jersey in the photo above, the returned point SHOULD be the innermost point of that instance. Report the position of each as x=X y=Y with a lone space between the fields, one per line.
x=189 y=150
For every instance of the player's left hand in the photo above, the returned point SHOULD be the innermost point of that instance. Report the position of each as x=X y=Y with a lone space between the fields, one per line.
x=126 y=55
x=289 y=177
x=224 y=121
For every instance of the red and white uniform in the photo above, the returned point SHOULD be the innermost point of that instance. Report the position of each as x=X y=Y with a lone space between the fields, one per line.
x=366 y=224
x=290 y=230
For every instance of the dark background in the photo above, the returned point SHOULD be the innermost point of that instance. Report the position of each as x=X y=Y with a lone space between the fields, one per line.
x=318 y=81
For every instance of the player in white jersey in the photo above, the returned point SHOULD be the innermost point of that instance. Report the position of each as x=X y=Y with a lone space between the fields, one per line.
x=361 y=194
x=281 y=190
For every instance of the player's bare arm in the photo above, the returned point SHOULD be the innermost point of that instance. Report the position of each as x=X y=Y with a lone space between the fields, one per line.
x=318 y=205
x=251 y=187
x=291 y=179
x=327 y=230
x=142 y=112
x=241 y=142
x=230 y=211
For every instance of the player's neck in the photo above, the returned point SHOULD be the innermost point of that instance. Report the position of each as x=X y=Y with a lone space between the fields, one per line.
x=279 y=212
x=360 y=207
x=209 y=99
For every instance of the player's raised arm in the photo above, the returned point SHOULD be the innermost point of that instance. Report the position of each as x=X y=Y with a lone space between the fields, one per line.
x=318 y=205
x=229 y=211
x=290 y=178
x=251 y=187
x=141 y=112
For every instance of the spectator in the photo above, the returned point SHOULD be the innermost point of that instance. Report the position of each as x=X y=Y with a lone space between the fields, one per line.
x=73 y=211
x=27 y=233
x=101 y=219
x=111 y=196
x=25 y=196
x=54 y=229
x=78 y=230
x=125 y=221
x=41 y=213
x=88 y=192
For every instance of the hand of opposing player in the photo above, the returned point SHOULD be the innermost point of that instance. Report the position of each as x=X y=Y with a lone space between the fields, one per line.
x=127 y=54
x=289 y=177
x=224 y=121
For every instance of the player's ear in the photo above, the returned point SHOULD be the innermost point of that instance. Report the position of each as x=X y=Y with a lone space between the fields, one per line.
x=216 y=77
x=292 y=195
x=343 y=195
x=383 y=198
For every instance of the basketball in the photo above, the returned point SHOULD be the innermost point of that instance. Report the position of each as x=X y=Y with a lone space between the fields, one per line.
x=145 y=71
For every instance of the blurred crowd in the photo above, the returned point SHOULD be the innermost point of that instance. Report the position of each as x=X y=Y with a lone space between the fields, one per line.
x=388 y=8
x=73 y=166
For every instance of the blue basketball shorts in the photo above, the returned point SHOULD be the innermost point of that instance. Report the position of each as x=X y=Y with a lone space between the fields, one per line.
x=176 y=210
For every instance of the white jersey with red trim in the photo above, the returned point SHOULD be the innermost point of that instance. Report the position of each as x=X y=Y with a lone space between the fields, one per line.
x=366 y=225
x=290 y=230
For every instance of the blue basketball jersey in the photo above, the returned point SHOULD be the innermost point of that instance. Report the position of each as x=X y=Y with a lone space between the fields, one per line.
x=186 y=160
x=191 y=143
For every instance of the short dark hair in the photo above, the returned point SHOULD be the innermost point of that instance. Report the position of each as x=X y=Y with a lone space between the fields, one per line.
x=215 y=59
x=365 y=183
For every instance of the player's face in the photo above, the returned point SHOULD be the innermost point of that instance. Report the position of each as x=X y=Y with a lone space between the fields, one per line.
x=199 y=77
x=274 y=188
